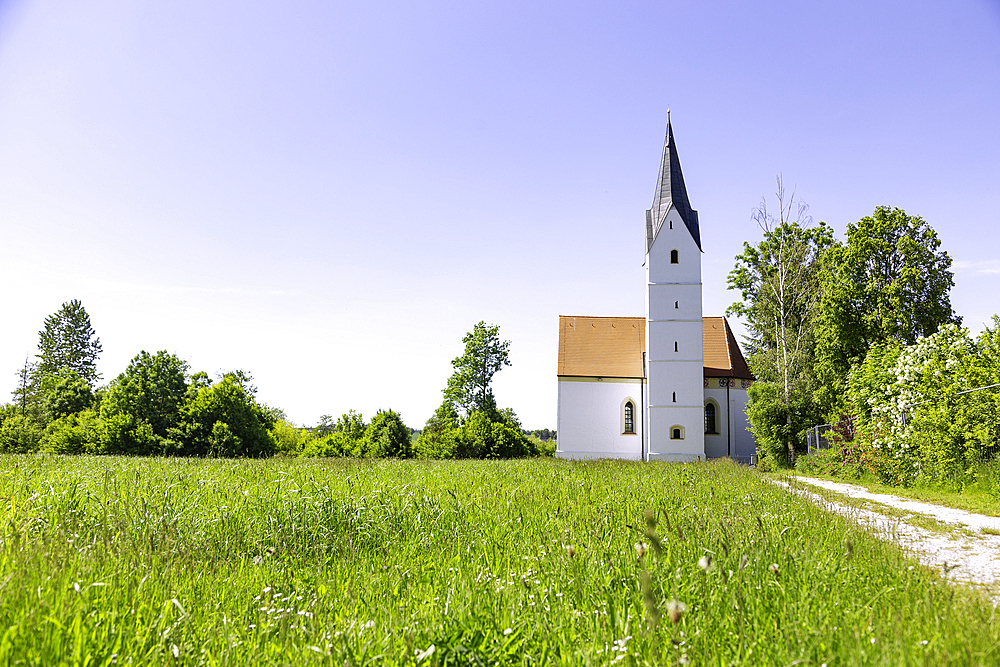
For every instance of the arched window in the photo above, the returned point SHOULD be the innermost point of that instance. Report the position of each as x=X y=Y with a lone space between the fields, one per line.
x=673 y=257
x=629 y=417
x=671 y=224
x=677 y=304
x=675 y=397
x=710 y=418
x=676 y=432
x=675 y=346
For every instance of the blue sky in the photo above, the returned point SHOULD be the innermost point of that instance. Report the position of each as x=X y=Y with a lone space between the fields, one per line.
x=330 y=194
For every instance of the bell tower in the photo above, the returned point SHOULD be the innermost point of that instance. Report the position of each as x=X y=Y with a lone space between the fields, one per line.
x=674 y=365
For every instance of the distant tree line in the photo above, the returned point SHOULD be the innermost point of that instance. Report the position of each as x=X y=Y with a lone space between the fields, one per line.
x=816 y=308
x=157 y=406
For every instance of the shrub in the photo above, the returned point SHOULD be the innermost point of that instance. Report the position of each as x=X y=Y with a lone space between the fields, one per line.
x=76 y=433
x=387 y=437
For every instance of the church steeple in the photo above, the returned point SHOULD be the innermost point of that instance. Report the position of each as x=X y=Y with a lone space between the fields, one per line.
x=670 y=191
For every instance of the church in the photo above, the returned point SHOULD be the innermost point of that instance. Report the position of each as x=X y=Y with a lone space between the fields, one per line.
x=670 y=386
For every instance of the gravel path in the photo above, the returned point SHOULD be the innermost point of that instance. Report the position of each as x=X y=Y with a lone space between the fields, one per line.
x=965 y=554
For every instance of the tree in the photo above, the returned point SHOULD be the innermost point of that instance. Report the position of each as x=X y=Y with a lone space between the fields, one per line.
x=66 y=393
x=778 y=280
x=224 y=420
x=888 y=282
x=387 y=436
x=152 y=390
x=469 y=386
x=68 y=343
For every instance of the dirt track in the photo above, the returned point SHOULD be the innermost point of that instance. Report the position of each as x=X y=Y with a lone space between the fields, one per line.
x=964 y=552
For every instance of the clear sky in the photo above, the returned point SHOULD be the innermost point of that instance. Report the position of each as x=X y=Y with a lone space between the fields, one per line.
x=329 y=194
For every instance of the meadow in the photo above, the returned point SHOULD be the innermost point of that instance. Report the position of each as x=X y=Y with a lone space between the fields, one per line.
x=116 y=561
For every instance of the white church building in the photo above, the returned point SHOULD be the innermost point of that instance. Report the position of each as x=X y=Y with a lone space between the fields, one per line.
x=670 y=386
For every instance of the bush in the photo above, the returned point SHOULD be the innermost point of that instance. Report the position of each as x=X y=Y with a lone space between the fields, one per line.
x=342 y=438
x=77 y=433
x=20 y=434
x=387 y=437
x=224 y=420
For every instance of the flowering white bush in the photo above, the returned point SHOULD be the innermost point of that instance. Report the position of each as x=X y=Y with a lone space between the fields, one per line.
x=915 y=417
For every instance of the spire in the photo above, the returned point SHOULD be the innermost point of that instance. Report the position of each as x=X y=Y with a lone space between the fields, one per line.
x=670 y=191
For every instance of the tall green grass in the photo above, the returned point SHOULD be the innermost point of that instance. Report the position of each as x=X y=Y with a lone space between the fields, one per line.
x=114 y=561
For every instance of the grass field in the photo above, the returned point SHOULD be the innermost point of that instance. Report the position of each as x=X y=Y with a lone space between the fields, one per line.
x=158 y=561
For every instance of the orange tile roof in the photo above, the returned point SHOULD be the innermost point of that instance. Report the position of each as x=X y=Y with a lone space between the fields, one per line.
x=722 y=354
x=614 y=347
x=601 y=346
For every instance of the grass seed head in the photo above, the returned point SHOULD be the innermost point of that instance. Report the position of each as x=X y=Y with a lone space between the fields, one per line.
x=744 y=561
x=570 y=551
x=773 y=568
x=640 y=550
x=675 y=611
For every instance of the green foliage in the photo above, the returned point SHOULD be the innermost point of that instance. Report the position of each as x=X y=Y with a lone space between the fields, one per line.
x=68 y=342
x=19 y=433
x=75 y=433
x=778 y=281
x=483 y=434
x=125 y=433
x=438 y=439
x=65 y=393
x=290 y=439
x=888 y=283
x=150 y=394
x=485 y=354
x=341 y=438
x=915 y=420
x=224 y=420
x=128 y=561
x=387 y=436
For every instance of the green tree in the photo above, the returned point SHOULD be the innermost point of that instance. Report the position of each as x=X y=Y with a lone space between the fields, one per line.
x=66 y=393
x=387 y=436
x=778 y=280
x=485 y=354
x=889 y=282
x=341 y=438
x=224 y=420
x=68 y=342
x=152 y=390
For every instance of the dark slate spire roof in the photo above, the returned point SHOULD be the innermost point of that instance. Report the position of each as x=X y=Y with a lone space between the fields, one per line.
x=670 y=190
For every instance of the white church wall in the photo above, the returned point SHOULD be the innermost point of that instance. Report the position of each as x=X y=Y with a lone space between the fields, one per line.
x=746 y=448
x=688 y=266
x=676 y=341
x=589 y=421
x=734 y=439
x=681 y=378
x=662 y=421
x=668 y=302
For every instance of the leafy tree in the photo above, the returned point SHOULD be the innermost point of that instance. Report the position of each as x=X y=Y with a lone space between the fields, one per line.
x=468 y=423
x=152 y=390
x=778 y=280
x=68 y=343
x=75 y=433
x=224 y=420
x=19 y=433
x=341 y=438
x=290 y=438
x=438 y=440
x=493 y=435
x=485 y=354
x=387 y=436
x=888 y=282
x=66 y=393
